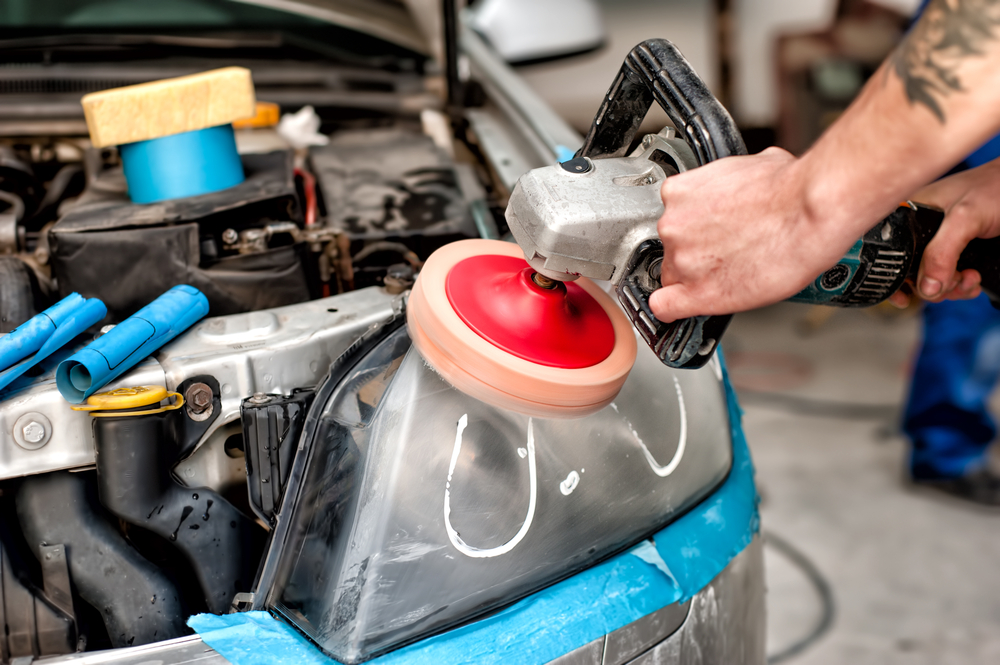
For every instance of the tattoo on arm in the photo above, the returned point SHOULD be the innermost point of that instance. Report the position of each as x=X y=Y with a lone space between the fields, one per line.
x=948 y=32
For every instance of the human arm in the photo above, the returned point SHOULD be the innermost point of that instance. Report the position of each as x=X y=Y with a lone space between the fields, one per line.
x=748 y=231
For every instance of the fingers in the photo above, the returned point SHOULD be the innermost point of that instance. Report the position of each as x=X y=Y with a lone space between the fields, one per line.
x=937 y=276
x=966 y=287
x=900 y=299
x=671 y=303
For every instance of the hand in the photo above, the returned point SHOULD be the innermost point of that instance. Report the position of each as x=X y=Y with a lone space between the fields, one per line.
x=738 y=234
x=969 y=200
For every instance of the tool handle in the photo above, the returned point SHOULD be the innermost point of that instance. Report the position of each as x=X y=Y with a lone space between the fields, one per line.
x=656 y=70
x=889 y=254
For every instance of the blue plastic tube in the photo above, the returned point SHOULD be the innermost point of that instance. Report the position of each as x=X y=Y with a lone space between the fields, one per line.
x=111 y=355
x=185 y=164
x=31 y=335
x=70 y=320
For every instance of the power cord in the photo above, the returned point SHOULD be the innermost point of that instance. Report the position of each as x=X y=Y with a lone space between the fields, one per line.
x=806 y=406
x=823 y=590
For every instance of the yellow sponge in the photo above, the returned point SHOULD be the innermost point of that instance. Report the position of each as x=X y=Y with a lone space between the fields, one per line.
x=171 y=106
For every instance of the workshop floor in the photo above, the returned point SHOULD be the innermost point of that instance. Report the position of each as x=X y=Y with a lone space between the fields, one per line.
x=915 y=576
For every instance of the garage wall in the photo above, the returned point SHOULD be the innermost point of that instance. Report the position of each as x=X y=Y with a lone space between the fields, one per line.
x=756 y=24
x=574 y=87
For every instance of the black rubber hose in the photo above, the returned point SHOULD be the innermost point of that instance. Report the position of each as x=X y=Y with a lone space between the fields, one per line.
x=137 y=602
x=823 y=590
x=134 y=458
x=17 y=303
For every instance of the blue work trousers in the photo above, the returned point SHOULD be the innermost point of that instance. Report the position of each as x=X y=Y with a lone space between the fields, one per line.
x=946 y=417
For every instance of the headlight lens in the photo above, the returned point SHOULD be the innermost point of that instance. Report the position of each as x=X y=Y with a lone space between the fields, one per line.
x=422 y=508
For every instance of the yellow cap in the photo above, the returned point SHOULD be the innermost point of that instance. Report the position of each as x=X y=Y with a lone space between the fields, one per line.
x=268 y=114
x=130 y=398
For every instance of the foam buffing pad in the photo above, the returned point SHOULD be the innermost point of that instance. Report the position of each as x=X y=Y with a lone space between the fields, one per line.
x=494 y=329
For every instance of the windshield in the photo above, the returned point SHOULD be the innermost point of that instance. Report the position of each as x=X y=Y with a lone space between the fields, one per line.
x=325 y=23
x=77 y=14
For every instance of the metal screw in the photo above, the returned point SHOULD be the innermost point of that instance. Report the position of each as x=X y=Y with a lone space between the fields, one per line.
x=230 y=236
x=544 y=282
x=398 y=278
x=198 y=397
x=260 y=398
x=33 y=432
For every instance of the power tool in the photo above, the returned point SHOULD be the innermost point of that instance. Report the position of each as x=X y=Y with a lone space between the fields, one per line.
x=595 y=215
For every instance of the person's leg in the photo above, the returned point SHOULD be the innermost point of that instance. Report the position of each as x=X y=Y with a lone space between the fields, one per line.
x=946 y=417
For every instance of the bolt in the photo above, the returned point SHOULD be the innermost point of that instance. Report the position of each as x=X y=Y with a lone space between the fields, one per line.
x=398 y=278
x=230 y=236
x=544 y=282
x=260 y=398
x=198 y=397
x=33 y=432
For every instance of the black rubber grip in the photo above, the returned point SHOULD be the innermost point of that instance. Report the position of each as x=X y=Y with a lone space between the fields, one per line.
x=656 y=70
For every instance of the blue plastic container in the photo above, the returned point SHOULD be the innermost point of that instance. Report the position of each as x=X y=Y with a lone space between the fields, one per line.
x=186 y=164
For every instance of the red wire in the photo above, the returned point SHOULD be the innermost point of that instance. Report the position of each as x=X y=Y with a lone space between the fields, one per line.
x=309 y=186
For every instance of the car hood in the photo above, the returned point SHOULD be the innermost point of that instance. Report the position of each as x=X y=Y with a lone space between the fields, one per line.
x=413 y=24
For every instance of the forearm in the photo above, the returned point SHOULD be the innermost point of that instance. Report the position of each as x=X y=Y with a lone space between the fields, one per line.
x=933 y=102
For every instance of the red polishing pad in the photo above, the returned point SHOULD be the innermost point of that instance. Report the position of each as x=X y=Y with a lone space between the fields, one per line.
x=558 y=324
x=479 y=317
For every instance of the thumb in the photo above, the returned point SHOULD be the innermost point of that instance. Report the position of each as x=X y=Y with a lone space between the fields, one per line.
x=940 y=260
x=673 y=302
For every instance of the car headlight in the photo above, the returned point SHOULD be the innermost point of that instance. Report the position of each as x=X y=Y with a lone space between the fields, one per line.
x=420 y=508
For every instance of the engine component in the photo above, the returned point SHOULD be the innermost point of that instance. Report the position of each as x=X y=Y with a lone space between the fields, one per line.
x=18 y=180
x=504 y=334
x=274 y=351
x=134 y=458
x=16 y=301
x=380 y=183
x=37 y=623
x=135 y=599
x=272 y=425
x=128 y=254
x=132 y=340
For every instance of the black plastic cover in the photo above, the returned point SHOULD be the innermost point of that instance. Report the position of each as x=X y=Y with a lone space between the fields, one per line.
x=271 y=428
x=128 y=254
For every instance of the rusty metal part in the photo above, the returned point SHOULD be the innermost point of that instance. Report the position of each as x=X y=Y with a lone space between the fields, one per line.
x=543 y=281
x=398 y=278
x=198 y=400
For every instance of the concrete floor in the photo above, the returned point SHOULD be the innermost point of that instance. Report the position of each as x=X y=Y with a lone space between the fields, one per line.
x=916 y=576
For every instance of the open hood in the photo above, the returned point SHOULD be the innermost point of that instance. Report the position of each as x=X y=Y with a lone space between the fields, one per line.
x=413 y=24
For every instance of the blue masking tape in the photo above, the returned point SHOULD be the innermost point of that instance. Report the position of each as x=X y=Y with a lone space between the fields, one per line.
x=30 y=335
x=563 y=617
x=82 y=315
x=185 y=164
x=111 y=355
